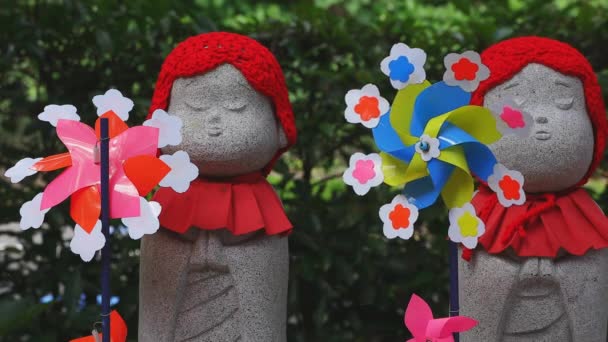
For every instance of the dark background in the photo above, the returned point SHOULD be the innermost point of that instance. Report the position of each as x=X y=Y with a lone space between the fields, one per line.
x=347 y=282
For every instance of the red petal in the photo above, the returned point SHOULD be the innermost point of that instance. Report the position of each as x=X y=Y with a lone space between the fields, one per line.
x=145 y=172
x=54 y=162
x=116 y=124
x=85 y=207
x=118 y=330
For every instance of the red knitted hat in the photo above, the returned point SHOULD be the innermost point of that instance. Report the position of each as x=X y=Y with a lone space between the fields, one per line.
x=204 y=52
x=507 y=58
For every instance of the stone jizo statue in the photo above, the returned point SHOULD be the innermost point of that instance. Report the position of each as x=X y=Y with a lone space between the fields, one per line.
x=541 y=272
x=217 y=270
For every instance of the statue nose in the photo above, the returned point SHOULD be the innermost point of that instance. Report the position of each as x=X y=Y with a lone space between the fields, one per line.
x=208 y=253
x=541 y=119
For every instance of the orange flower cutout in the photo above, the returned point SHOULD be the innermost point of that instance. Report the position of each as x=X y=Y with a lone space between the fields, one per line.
x=367 y=108
x=464 y=69
x=400 y=217
x=509 y=187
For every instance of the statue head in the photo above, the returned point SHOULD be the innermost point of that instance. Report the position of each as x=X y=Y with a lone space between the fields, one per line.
x=231 y=95
x=555 y=84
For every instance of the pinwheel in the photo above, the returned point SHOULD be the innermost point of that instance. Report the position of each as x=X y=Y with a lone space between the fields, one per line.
x=433 y=141
x=108 y=171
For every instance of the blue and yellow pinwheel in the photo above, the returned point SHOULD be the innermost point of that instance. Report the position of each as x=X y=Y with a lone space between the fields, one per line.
x=433 y=141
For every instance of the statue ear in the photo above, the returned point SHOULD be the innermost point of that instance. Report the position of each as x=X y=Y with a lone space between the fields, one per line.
x=282 y=137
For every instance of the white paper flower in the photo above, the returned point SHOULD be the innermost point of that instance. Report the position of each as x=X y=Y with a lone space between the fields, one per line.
x=364 y=172
x=86 y=244
x=147 y=221
x=114 y=101
x=31 y=215
x=365 y=106
x=464 y=70
x=169 y=126
x=404 y=65
x=22 y=169
x=465 y=226
x=427 y=147
x=508 y=186
x=511 y=119
x=182 y=171
x=53 y=113
x=398 y=217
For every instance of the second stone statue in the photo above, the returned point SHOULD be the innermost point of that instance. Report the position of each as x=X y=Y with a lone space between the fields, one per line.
x=218 y=269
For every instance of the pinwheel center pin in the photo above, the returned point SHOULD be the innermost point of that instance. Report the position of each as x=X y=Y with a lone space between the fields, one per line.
x=424 y=146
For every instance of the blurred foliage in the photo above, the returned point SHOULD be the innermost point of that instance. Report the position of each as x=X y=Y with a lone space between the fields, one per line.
x=347 y=282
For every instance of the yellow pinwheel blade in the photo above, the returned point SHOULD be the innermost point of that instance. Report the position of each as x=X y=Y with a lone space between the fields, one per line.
x=477 y=121
x=417 y=169
x=455 y=155
x=402 y=111
x=458 y=190
x=394 y=170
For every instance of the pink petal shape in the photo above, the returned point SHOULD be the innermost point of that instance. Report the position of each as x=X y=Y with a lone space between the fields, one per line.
x=136 y=141
x=364 y=171
x=513 y=117
x=417 y=316
x=457 y=324
x=80 y=140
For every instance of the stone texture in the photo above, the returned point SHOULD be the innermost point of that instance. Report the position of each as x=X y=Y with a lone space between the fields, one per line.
x=519 y=299
x=210 y=285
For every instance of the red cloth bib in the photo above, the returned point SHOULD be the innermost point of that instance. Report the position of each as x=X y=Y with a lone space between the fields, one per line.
x=241 y=204
x=543 y=225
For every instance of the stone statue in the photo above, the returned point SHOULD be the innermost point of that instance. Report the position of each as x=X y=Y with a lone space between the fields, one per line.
x=542 y=271
x=218 y=271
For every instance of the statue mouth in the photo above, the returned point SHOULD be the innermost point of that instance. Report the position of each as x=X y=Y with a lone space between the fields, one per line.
x=542 y=135
x=214 y=131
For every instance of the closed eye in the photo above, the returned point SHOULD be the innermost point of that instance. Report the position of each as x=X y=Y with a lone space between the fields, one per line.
x=564 y=103
x=235 y=105
x=196 y=107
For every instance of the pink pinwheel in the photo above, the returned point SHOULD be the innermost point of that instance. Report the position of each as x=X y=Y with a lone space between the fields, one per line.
x=134 y=169
x=424 y=328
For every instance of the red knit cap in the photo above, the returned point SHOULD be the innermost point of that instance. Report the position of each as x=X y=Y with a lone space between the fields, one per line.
x=507 y=58
x=204 y=52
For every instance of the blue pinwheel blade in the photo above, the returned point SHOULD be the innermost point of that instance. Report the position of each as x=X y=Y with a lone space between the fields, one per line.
x=388 y=141
x=435 y=100
x=425 y=191
x=479 y=157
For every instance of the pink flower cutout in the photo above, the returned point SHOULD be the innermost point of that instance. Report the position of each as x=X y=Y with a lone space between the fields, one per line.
x=364 y=170
x=512 y=117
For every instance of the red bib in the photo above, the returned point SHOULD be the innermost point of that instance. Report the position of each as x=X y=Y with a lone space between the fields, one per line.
x=241 y=204
x=543 y=225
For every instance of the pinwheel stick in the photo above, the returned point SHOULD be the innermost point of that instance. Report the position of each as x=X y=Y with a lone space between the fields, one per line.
x=454 y=300
x=105 y=227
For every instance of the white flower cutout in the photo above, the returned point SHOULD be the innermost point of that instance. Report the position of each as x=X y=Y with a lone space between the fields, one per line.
x=22 y=169
x=182 y=171
x=404 y=65
x=114 y=101
x=365 y=106
x=398 y=217
x=427 y=147
x=147 y=221
x=511 y=119
x=464 y=70
x=465 y=226
x=53 y=113
x=86 y=244
x=364 y=172
x=508 y=186
x=169 y=126
x=31 y=215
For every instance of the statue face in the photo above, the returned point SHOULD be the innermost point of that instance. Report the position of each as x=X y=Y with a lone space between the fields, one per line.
x=559 y=151
x=229 y=128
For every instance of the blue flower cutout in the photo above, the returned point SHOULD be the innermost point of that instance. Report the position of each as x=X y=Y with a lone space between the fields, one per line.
x=401 y=69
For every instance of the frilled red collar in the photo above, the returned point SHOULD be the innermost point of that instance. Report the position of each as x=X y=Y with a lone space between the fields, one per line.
x=543 y=225
x=241 y=204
